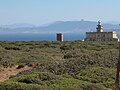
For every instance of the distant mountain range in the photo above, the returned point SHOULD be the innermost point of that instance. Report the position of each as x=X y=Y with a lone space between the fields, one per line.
x=18 y=25
x=57 y=27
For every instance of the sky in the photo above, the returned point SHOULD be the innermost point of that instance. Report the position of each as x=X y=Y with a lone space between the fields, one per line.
x=46 y=11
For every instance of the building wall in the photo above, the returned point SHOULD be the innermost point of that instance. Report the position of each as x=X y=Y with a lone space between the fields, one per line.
x=114 y=35
x=101 y=36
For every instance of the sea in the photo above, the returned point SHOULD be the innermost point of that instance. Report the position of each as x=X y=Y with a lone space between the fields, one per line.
x=40 y=37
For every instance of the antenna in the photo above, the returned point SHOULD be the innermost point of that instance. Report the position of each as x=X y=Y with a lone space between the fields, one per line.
x=118 y=71
x=117 y=83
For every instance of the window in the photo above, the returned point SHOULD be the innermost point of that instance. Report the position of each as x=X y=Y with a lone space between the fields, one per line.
x=104 y=35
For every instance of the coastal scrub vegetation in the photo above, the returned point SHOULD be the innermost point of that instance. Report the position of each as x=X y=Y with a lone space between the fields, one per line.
x=68 y=65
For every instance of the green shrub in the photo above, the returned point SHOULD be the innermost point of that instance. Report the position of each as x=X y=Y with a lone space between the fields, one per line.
x=19 y=86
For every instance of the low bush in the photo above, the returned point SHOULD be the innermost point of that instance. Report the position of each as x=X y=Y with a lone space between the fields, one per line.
x=10 y=85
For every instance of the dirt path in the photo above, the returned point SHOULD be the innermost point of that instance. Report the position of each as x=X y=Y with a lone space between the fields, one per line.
x=6 y=73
